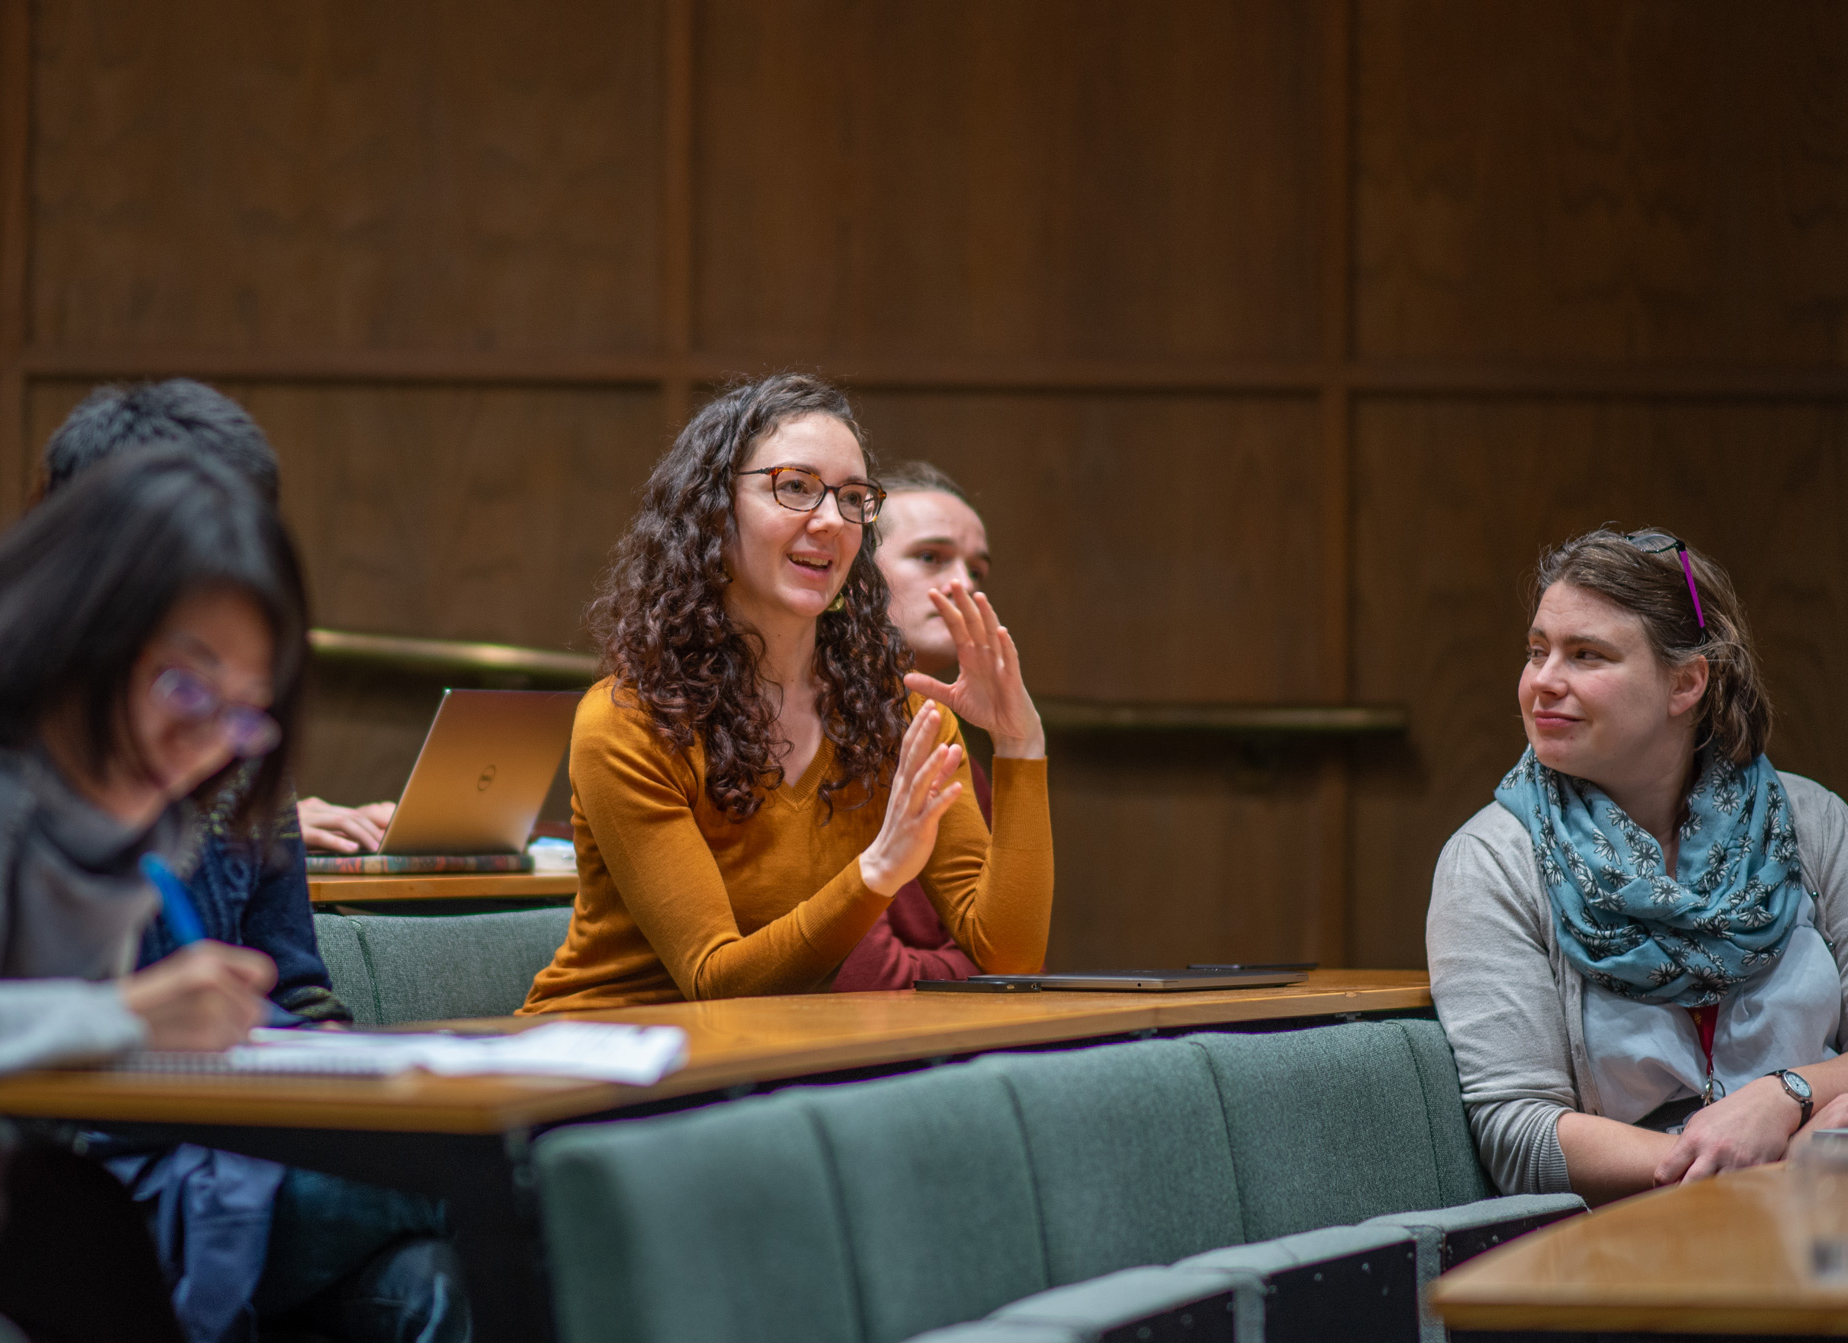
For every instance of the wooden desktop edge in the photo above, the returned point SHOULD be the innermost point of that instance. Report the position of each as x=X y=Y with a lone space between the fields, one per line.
x=1574 y=1276
x=1081 y=1016
x=420 y=1103
x=350 y=888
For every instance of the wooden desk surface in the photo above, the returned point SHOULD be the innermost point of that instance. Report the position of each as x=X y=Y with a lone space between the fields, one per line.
x=333 y=890
x=1720 y=1256
x=730 y=1042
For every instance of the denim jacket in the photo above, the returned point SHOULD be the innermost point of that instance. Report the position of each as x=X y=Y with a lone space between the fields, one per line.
x=252 y=894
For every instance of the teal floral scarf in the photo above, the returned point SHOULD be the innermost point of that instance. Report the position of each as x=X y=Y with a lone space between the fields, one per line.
x=1722 y=917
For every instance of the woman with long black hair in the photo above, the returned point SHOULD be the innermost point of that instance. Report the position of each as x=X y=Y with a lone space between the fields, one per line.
x=151 y=638
x=752 y=783
x=152 y=634
x=153 y=631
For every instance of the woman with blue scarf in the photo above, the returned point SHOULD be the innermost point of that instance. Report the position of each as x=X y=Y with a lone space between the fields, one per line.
x=1639 y=950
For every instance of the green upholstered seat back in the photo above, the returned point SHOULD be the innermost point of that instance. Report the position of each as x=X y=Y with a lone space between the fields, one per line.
x=1453 y=1147
x=1129 y=1154
x=870 y=1211
x=435 y=968
x=720 y=1224
x=338 y=940
x=1338 y=1124
x=936 y=1197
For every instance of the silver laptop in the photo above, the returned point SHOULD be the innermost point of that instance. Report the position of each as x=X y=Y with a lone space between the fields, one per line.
x=483 y=773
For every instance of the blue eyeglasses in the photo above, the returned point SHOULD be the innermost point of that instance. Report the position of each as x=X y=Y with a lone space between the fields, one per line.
x=247 y=730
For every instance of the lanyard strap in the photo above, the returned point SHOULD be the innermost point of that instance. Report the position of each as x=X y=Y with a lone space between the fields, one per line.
x=1705 y=1019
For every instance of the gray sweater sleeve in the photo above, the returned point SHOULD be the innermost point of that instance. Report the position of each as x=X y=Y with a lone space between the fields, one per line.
x=1493 y=985
x=54 y=1021
x=1822 y=836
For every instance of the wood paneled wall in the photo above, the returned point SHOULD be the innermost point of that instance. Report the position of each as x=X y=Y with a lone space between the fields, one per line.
x=1273 y=336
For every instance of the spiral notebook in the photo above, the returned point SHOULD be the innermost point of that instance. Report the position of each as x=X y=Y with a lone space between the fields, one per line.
x=591 y=1051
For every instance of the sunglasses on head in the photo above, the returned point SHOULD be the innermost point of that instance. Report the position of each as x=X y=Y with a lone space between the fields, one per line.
x=1660 y=543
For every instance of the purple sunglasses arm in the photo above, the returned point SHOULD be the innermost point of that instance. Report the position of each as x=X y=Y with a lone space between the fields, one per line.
x=1693 y=592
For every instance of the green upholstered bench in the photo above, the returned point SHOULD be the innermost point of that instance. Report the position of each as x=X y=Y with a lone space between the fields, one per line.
x=389 y=969
x=1343 y=1282
x=872 y=1212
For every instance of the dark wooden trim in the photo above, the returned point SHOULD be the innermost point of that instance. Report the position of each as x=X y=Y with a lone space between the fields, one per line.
x=677 y=222
x=1243 y=720
x=437 y=366
x=358 y=366
x=1330 y=932
x=15 y=225
x=555 y=667
x=1360 y=379
x=1590 y=378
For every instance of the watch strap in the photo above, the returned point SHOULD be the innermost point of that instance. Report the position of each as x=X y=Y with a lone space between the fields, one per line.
x=1806 y=1103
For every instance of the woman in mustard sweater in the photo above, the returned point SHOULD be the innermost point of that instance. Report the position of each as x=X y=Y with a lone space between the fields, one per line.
x=751 y=783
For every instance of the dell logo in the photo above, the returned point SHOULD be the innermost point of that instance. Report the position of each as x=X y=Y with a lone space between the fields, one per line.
x=487 y=777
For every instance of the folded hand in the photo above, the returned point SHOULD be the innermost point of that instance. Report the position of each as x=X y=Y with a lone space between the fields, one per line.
x=923 y=787
x=1748 y=1128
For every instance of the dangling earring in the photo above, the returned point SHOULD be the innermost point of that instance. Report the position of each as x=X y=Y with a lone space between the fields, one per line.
x=840 y=601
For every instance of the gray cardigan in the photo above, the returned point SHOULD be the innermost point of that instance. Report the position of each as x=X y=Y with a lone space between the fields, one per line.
x=73 y=903
x=53 y=1021
x=1513 y=1008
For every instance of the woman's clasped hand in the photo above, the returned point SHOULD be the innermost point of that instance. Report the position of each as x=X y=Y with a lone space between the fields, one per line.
x=989 y=693
x=923 y=788
x=1756 y=1124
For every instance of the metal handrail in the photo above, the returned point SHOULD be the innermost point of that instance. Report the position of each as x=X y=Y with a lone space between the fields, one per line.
x=451 y=657
x=1255 y=720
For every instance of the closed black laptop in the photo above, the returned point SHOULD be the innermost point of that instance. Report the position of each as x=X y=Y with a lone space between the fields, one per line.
x=1120 y=981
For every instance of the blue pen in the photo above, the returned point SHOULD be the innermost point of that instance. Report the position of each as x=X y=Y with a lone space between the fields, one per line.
x=183 y=921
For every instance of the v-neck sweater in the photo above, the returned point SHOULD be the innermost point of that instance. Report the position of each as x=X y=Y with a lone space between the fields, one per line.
x=676 y=900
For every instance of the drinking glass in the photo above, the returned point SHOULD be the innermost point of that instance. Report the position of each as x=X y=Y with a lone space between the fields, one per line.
x=1822 y=1179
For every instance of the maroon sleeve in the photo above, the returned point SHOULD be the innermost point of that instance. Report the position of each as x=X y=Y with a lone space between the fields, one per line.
x=909 y=942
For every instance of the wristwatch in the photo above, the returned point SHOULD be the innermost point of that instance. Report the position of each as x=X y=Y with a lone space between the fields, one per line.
x=1797 y=1089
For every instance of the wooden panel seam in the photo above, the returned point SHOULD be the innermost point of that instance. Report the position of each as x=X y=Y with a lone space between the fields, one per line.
x=677 y=215
x=1331 y=931
x=1361 y=378
x=15 y=187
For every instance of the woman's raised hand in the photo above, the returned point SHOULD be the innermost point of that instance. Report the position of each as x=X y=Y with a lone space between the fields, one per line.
x=923 y=788
x=988 y=691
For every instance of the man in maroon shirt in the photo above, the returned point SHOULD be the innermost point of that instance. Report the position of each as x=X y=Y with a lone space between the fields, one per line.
x=929 y=537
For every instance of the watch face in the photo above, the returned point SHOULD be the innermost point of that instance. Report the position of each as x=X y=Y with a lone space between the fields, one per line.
x=1794 y=1083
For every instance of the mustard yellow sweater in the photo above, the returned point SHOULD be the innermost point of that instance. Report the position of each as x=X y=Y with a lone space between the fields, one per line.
x=677 y=901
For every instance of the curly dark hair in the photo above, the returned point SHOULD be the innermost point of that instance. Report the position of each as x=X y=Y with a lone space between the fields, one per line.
x=660 y=623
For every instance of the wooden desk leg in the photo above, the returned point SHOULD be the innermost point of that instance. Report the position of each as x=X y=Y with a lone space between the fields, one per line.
x=486 y=1179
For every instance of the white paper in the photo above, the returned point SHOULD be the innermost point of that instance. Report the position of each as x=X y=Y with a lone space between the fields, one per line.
x=553 y=855
x=596 y=1051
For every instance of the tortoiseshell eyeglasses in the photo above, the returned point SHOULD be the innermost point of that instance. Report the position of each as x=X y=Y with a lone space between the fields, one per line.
x=802 y=491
